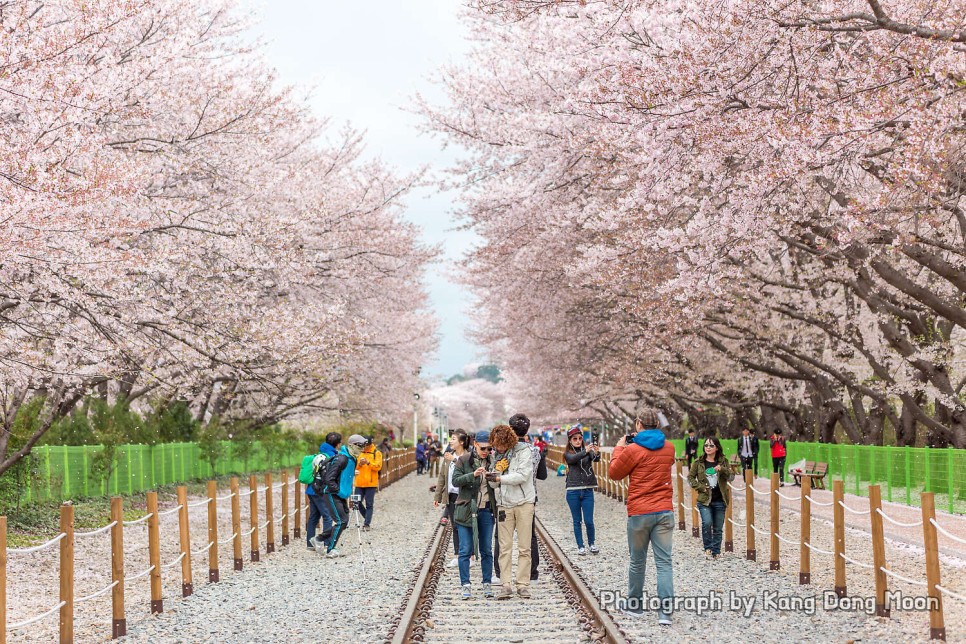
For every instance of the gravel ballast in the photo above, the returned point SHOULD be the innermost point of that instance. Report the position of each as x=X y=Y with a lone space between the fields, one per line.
x=696 y=575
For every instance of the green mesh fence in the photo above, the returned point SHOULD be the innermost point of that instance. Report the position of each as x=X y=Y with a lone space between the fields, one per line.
x=902 y=473
x=59 y=472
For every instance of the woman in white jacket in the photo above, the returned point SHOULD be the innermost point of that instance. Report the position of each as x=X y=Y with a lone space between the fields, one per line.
x=515 y=498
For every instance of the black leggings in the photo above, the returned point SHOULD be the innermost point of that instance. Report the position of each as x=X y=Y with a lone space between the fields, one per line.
x=779 y=464
x=450 y=510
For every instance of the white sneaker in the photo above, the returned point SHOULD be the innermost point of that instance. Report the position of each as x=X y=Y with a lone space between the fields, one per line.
x=452 y=564
x=332 y=554
x=664 y=620
x=495 y=581
x=318 y=545
x=594 y=550
x=581 y=551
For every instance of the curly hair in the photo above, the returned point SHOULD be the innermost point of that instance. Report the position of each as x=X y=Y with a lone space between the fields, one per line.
x=503 y=438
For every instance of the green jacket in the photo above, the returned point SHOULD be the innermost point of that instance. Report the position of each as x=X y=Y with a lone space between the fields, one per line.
x=698 y=479
x=469 y=486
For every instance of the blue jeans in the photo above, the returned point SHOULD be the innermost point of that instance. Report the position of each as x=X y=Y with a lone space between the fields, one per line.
x=644 y=530
x=712 y=523
x=581 y=502
x=368 y=502
x=317 y=510
x=484 y=524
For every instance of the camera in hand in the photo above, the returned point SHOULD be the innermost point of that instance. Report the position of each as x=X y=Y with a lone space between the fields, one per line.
x=491 y=476
x=595 y=438
x=629 y=438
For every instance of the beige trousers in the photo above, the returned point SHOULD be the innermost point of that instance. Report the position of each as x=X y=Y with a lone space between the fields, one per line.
x=520 y=519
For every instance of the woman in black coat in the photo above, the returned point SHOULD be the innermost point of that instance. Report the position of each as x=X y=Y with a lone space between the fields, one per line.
x=581 y=482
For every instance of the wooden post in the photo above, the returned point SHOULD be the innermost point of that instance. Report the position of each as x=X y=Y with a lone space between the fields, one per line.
x=750 y=553
x=154 y=553
x=269 y=515
x=678 y=468
x=67 y=574
x=774 y=562
x=213 y=532
x=187 y=587
x=937 y=624
x=118 y=621
x=253 y=498
x=729 y=534
x=838 y=518
x=236 y=543
x=695 y=517
x=3 y=580
x=805 y=553
x=285 y=509
x=878 y=552
x=297 y=518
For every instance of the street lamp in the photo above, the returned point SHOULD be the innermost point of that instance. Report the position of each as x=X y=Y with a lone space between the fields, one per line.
x=415 y=419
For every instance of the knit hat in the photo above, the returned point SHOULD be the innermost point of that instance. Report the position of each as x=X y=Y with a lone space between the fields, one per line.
x=482 y=437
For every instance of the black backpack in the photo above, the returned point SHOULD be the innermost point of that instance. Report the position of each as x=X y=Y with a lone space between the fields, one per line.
x=319 y=466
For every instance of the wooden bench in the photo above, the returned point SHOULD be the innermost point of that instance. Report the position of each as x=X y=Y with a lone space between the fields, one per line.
x=815 y=471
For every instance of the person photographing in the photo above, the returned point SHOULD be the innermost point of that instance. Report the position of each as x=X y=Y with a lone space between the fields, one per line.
x=581 y=482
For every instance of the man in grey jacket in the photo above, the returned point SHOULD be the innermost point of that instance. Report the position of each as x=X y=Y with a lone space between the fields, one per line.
x=515 y=498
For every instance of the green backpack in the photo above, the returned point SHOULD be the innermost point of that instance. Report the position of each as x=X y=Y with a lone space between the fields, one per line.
x=306 y=475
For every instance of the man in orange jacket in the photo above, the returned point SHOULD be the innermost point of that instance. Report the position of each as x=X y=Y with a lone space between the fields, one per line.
x=367 y=480
x=647 y=459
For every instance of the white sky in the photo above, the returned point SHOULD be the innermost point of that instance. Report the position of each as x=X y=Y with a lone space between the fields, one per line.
x=365 y=60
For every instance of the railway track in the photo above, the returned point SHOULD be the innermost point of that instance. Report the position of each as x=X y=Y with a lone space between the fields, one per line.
x=563 y=608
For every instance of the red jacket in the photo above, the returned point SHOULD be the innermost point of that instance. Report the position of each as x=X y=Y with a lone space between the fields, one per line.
x=650 y=487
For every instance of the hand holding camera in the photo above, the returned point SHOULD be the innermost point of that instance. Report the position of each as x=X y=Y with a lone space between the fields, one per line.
x=493 y=476
x=480 y=471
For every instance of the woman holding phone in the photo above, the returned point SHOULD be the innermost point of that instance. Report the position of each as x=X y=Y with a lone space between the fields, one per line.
x=581 y=482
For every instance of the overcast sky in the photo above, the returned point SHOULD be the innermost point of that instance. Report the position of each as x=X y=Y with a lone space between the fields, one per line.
x=365 y=60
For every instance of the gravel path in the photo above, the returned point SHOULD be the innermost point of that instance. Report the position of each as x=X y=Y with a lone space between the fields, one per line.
x=695 y=575
x=267 y=602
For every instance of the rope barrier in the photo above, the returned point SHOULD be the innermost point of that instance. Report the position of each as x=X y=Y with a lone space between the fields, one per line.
x=248 y=493
x=946 y=591
x=173 y=563
x=784 y=540
x=790 y=498
x=819 y=502
x=171 y=511
x=249 y=532
x=32 y=620
x=848 y=509
x=940 y=529
x=195 y=553
x=141 y=520
x=814 y=549
x=139 y=575
x=263 y=525
x=736 y=488
x=97 y=594
x=898 y=523
x=740 y=525
x=757 y=491
x=98 y=531
x=46 y=544
x=857 y=563
x=197 y=503
x=221 y=541
x=898 y=576
x=227 y=496
x=760 y=531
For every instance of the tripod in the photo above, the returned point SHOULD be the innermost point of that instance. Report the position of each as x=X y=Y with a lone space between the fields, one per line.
x=354 y=504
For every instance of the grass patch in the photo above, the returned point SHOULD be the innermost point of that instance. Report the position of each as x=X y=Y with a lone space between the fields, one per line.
x=38 y=522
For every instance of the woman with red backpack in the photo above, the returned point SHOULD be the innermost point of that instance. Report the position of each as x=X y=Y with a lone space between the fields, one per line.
x=778 y=453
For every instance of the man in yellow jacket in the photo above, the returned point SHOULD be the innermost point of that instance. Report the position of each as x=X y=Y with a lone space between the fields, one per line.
x=367 y=480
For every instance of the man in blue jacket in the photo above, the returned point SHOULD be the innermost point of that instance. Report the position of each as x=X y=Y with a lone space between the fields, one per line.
x=340 y=474
x=318 y=508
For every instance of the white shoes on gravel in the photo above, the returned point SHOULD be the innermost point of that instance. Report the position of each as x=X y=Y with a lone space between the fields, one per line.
x=452 y=564
x=581 y=551
x=332 y=554
x=594 y=550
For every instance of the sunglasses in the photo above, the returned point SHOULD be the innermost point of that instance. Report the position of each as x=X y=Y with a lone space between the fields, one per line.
x=577 y=438
x=480 y=448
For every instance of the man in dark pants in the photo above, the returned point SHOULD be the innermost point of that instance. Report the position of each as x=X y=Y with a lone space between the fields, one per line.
x=318 y=509
x=521 y=426
x=748 y=451
x=691 y=446
x=340 y=473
